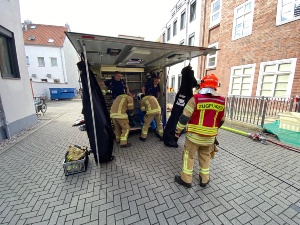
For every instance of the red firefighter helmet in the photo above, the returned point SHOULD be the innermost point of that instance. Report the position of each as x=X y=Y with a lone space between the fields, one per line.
x=209 y=81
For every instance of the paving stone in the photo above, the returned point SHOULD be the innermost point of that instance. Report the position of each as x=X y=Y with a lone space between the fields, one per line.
x=244 y=218
x=139 y=188
x=258 y=220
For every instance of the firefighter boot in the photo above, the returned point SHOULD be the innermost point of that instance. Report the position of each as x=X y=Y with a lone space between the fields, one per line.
x=180 y=181
x=203 y=184
x=143 y=139
x=125 y=146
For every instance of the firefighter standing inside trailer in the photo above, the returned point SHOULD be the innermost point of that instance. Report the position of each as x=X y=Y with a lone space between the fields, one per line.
x=151 y=107
x=117 y=85
x=203 y=115
x=120 y=109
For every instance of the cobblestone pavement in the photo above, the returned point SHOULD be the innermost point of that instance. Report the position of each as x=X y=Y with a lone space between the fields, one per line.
x=251 y=183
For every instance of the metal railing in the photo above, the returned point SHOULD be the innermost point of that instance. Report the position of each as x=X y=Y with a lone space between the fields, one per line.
x=254 y=110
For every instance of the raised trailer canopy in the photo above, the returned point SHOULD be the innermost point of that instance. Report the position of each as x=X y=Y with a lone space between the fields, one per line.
x=122 y=52
x=129 y=55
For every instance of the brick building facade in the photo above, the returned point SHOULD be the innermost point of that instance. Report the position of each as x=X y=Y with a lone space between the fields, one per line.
x=259 y=42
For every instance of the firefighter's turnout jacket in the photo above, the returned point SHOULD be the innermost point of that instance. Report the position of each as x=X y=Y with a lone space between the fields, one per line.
x=150 y=105
x=202 y=115
x=118 y=113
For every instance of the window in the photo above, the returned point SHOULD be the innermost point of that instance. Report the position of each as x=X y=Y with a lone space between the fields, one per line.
x=212 y=58
x=192 y=39
x=9 y=67
x=174 y=28
x=53 y=61
x=164 y=38
x=193 y=11
x=243 y=19
x=215 y=12
x=179 y=81
x=241 y=80
x=27 y=60
x=44 y=80
x=173 y=82
x=182 y=20
x=169 y=33
x=41 y=61
x=287 y=11
x=181 y=42
x=276 y=78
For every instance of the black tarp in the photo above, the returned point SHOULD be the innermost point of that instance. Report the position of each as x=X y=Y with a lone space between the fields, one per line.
x=183 y=96
x=103 y=127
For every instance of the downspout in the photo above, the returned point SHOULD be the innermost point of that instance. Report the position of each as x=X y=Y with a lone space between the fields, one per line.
x=63 y=65
x=202 y=65
x=187 y=26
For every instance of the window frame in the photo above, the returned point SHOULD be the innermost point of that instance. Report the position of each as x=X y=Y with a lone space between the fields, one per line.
x=293 y=62
x=171 y=84
x=168 y=33
x=212 y=24
x=235 y=19
x=182 y=42
x=39 y=62
x=192 y=35
x=175 y=27
x=27 y=61
x=216 y=45
x=253 y=66
x=193 y=5
x=179 y=78
x=182 y=24
x=12 y=54
x=278 y=14
x=52 y=63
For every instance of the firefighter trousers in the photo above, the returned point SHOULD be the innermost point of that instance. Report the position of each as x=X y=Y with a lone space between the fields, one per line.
x=189 y=154
x=121 y=130
x=147 y=122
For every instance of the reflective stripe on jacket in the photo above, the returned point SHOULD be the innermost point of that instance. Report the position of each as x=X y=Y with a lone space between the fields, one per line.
x=150 y=105
x=120 y=106
x=207 y=115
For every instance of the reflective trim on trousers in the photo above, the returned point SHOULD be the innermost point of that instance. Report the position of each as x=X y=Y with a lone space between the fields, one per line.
x=185 y=164
x=204 y=171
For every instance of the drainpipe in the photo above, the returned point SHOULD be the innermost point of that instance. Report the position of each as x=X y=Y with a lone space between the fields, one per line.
x=187 y=25
x=202 y=65
x=63 y=65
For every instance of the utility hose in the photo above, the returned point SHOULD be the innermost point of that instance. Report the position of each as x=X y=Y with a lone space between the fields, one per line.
x=249 y=135
x=236 y=131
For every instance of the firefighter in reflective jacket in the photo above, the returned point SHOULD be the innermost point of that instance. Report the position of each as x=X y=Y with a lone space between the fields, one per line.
x=121 y=107
x=203 y=115
x=150 y=106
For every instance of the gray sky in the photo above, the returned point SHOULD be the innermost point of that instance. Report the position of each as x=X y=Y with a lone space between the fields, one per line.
x=144 y=18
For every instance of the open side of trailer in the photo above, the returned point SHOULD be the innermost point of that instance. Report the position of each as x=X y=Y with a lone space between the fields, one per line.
x=135 y=59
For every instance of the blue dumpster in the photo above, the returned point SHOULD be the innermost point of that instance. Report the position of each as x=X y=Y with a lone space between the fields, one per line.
x=62 y=93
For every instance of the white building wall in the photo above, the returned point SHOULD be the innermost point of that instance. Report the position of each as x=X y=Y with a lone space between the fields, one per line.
x=190 y=28
x=71 y=58
x=66 y=70
x=16 y=94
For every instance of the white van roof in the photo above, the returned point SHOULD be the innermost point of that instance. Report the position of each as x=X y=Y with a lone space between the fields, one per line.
x=123 y=52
